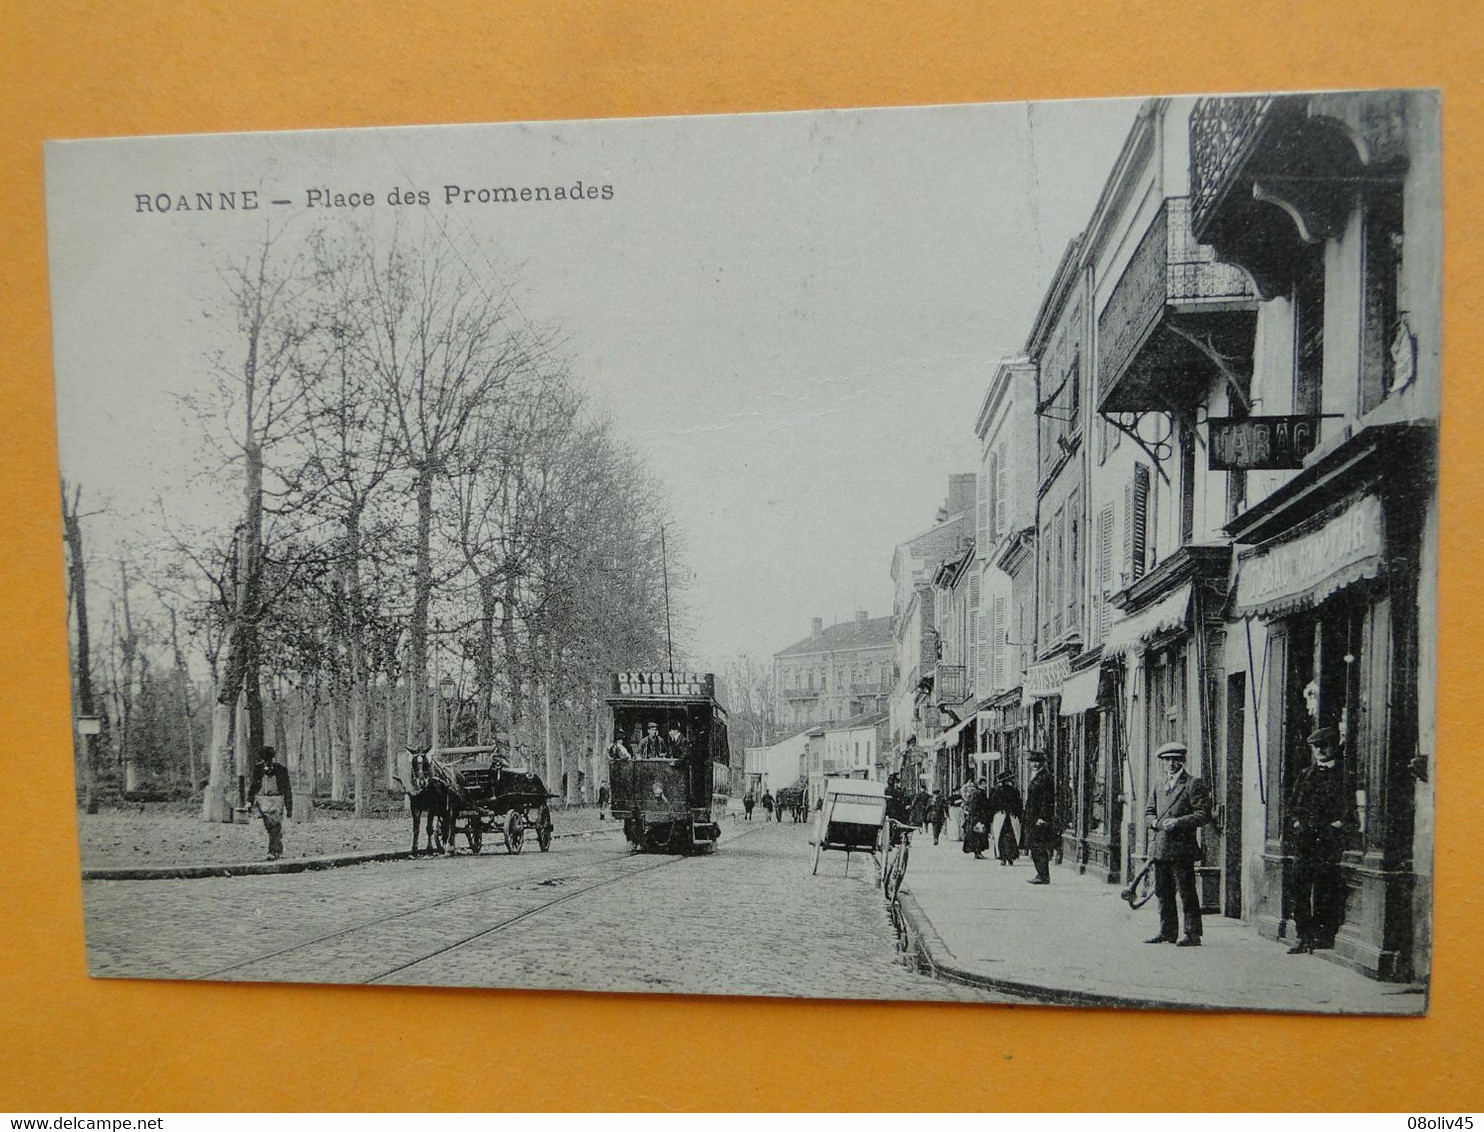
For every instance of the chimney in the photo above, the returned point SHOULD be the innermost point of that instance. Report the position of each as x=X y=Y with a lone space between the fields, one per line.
x=961 y=493
x=816 y=626
x=861 y=617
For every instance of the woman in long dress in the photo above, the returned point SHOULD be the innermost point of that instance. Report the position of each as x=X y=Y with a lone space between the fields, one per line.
x=1008 y=810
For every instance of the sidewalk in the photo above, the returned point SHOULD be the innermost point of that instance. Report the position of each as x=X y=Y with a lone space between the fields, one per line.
x=1076 y=942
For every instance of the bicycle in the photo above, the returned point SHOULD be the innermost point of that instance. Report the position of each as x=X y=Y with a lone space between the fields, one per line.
x=897 y=856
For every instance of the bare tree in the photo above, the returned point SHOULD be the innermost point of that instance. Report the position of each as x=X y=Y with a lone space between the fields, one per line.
x=442 y=345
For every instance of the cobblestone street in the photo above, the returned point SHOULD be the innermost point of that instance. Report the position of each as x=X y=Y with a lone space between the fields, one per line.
x=747 y=919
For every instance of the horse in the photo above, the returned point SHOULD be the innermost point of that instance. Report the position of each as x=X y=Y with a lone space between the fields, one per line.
x=431 y=800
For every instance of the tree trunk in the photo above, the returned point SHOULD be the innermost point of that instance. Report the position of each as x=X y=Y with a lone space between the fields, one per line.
x=417 y=669
x=339 y=755
x=217 y=801
x=484 y=662
x=77 y=569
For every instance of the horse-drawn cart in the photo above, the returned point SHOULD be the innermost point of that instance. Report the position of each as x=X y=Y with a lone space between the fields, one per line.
x=496 y=799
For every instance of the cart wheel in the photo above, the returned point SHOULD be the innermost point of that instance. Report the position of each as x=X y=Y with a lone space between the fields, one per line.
x=543 y=830
x=476 y=835
x=818 y=848
x=515 y=832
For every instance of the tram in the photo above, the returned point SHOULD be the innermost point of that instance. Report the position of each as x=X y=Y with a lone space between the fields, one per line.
x=671 y=786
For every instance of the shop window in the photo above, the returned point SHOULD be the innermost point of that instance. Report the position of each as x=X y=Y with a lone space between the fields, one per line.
x=1324 y=686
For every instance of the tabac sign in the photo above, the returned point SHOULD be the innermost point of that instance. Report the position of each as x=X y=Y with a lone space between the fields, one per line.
x=1241 y=444
x=664 y=684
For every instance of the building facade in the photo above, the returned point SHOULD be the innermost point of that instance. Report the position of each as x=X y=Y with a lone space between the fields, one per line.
x=835 y=673
x=1237 y=392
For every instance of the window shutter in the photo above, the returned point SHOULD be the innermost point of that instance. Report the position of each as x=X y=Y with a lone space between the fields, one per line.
x=998 y=637
x=1001 y=492
x=984 y=518
x=1104 y=573
x=971 y=668
x=1136 y=522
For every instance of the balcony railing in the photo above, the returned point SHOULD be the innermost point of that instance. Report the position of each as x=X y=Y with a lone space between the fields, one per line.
x=1222 y=134
x=802 y=693
x=1169 y=272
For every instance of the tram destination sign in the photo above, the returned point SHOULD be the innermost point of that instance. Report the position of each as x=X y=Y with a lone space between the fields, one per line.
x=1241 y=444
x=664 y=683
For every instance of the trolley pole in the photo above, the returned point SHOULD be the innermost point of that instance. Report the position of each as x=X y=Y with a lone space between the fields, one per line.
x=665 y=575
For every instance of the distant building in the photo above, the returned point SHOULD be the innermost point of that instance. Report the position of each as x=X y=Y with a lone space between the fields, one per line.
x=916 y=641
x=834 y=673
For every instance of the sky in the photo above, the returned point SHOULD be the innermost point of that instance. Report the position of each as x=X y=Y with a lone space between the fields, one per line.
x=794 y=317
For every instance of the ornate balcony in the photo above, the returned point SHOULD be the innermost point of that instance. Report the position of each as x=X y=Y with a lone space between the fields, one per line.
x=1172 y=305
x=1271 y=174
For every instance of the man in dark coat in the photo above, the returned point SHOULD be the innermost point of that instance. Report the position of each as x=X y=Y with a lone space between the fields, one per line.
x=1040 y=832
x=272 y=796
x=652 y=746
x=971 y=817
x=1319 y=814
x=1177 y=809
x=919 y=809
x=937 y=814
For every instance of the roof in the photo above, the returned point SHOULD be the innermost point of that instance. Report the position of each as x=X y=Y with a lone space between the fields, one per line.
x=874 y=632
x=858 y=722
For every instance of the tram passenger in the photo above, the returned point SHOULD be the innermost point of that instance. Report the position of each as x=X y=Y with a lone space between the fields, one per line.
x=618 y=749
x=677 y=745
x=652 y=746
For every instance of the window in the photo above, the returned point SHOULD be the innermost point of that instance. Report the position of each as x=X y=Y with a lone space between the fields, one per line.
x=1308 y=332
x=1074 y=564
x=1187 y=485
x=1384 y=323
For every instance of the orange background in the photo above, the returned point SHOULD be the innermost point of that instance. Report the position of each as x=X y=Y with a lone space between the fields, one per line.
x=68 y=1043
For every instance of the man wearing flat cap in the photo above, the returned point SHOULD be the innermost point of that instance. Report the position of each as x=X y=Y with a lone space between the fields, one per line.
x=1177 y=809
x=1039 y=828
x=1319 y=816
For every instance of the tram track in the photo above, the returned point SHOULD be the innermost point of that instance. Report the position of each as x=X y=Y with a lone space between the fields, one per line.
x=616 y=876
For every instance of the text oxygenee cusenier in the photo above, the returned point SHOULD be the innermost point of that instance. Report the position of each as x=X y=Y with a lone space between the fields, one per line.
x=250 y=200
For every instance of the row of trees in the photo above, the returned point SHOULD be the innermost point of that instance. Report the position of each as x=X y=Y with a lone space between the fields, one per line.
x=426 y=498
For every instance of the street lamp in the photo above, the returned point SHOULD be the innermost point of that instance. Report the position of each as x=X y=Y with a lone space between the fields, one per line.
x=446 y=690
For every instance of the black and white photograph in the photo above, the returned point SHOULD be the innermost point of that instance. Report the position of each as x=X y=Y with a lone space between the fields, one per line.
x=978 y=553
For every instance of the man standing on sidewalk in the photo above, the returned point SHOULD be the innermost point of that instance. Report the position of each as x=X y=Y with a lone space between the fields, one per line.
x=937 y=814
x=273 y=797
x=1040 y=832
x=1320 y=809
x=1177 y=809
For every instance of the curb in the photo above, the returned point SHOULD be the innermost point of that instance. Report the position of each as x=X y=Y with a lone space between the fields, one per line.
x=270 y=868
x=927 y=948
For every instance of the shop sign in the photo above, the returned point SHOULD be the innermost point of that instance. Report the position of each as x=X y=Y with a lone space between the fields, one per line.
x=1250 y=443
x=1309 y=568
x=664 y=684
x=1046 y=678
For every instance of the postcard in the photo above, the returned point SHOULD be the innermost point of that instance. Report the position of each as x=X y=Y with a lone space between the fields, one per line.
x=981 y=553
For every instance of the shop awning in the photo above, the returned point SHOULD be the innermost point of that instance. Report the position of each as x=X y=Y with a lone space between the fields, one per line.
x=950 y=737
x=1280 y=578
x=1045 y=679
x=1131 y=632
x=1080 y=692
